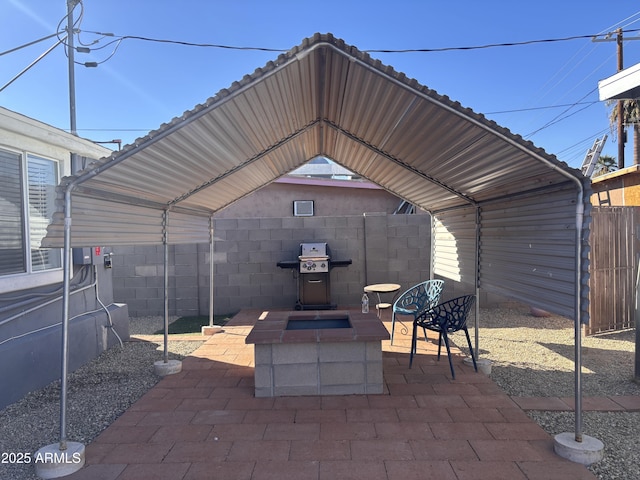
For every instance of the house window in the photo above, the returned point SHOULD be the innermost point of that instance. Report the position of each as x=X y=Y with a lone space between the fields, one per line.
x=27 y=202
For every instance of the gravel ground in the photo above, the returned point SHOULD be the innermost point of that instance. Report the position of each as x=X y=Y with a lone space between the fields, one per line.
x=530 y=357
x=535 y=357
x=98 y=393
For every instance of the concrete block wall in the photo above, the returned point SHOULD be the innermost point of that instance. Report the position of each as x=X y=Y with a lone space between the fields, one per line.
x=383 y=248
x=318 y=369
x=138 y=279
x=397 y=248
x=247 y=252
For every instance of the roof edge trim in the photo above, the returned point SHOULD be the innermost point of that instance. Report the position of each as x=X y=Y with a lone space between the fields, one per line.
x=222 y=97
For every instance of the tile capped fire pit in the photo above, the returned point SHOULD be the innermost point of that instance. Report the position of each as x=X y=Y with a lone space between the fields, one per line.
x=317 y=353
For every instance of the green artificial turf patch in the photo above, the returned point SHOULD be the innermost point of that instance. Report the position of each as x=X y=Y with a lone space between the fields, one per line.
x=186 y=325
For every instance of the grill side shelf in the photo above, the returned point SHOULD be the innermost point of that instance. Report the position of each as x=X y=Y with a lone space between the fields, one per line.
x=340 y=263
x=288 y=264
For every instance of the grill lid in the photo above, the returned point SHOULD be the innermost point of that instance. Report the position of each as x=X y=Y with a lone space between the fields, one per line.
x=313 y=250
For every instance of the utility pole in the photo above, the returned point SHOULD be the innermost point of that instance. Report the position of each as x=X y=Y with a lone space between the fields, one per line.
x=620 y=105
x=71 y=4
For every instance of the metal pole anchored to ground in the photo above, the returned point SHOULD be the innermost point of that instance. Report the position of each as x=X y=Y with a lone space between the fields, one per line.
x=165 y=366
x=64 y=458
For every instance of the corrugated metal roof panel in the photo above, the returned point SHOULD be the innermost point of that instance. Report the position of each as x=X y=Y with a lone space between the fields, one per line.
x=97 y=221
x=527 y=246
x=325 y=98
x=183 y=228
x=454 y=245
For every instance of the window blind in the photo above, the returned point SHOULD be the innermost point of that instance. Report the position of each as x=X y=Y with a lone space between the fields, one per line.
x=12 y=254
x=43 y=178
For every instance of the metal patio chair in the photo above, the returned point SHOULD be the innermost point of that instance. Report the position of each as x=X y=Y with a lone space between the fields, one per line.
x=416 y=299
x=445 y=318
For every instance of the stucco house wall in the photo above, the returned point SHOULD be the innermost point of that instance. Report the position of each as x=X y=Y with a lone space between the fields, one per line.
x=31 y=301
x=330 y=197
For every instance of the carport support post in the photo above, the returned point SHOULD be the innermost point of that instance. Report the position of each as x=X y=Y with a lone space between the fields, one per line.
x=578 y=448
x=211 y=245
x=165 y=366
x=483 y=365
x=165 y=272
x=578 y=376
x=578 y=321
x=211 y=329
x=63 y=458
x=477 y=287
x=66 y=281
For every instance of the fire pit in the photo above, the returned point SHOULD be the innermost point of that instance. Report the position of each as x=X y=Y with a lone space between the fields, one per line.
x=334 y=353
x=309 y=323
x=312 y=271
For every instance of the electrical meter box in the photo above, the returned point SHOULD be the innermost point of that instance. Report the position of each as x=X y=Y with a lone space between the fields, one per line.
x=82 y=256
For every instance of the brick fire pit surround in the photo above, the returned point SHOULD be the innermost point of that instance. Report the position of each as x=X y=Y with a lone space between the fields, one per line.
x=317 y=361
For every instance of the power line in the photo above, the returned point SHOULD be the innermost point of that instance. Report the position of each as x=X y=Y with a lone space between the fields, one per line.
x=518 y=110
x=491 y=45
x=11 y=50
x=24 y=70
x=581 y=58
x=119 y=38
x=117 y=41
x=560 y=116
x=184 y=43
x=586 y=139
x=407 y=50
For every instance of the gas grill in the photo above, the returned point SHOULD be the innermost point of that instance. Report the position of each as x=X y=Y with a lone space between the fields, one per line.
x=314 y=258
x=313 y=274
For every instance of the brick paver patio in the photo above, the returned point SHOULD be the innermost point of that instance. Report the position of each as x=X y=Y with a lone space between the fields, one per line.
x=206 y=423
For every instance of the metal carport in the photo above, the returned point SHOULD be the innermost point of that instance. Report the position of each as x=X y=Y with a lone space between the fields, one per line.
x=507 y=217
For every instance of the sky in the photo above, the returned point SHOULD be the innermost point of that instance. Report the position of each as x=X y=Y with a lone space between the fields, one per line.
x=547 y=92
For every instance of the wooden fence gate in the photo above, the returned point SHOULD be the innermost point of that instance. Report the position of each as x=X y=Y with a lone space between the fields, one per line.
x=615 y=249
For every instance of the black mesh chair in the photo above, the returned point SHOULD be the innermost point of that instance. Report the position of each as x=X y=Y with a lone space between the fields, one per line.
x=445 y=318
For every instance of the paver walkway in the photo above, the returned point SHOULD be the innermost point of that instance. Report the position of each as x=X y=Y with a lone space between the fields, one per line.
x=206 y=423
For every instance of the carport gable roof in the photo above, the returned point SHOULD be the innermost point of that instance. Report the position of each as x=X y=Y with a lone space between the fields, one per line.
x=320 y=98
x=490 y=191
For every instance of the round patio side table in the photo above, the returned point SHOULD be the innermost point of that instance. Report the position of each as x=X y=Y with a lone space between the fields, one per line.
x=379 y=288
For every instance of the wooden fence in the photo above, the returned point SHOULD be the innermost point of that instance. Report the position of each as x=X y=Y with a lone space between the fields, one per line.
x=615 y=247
